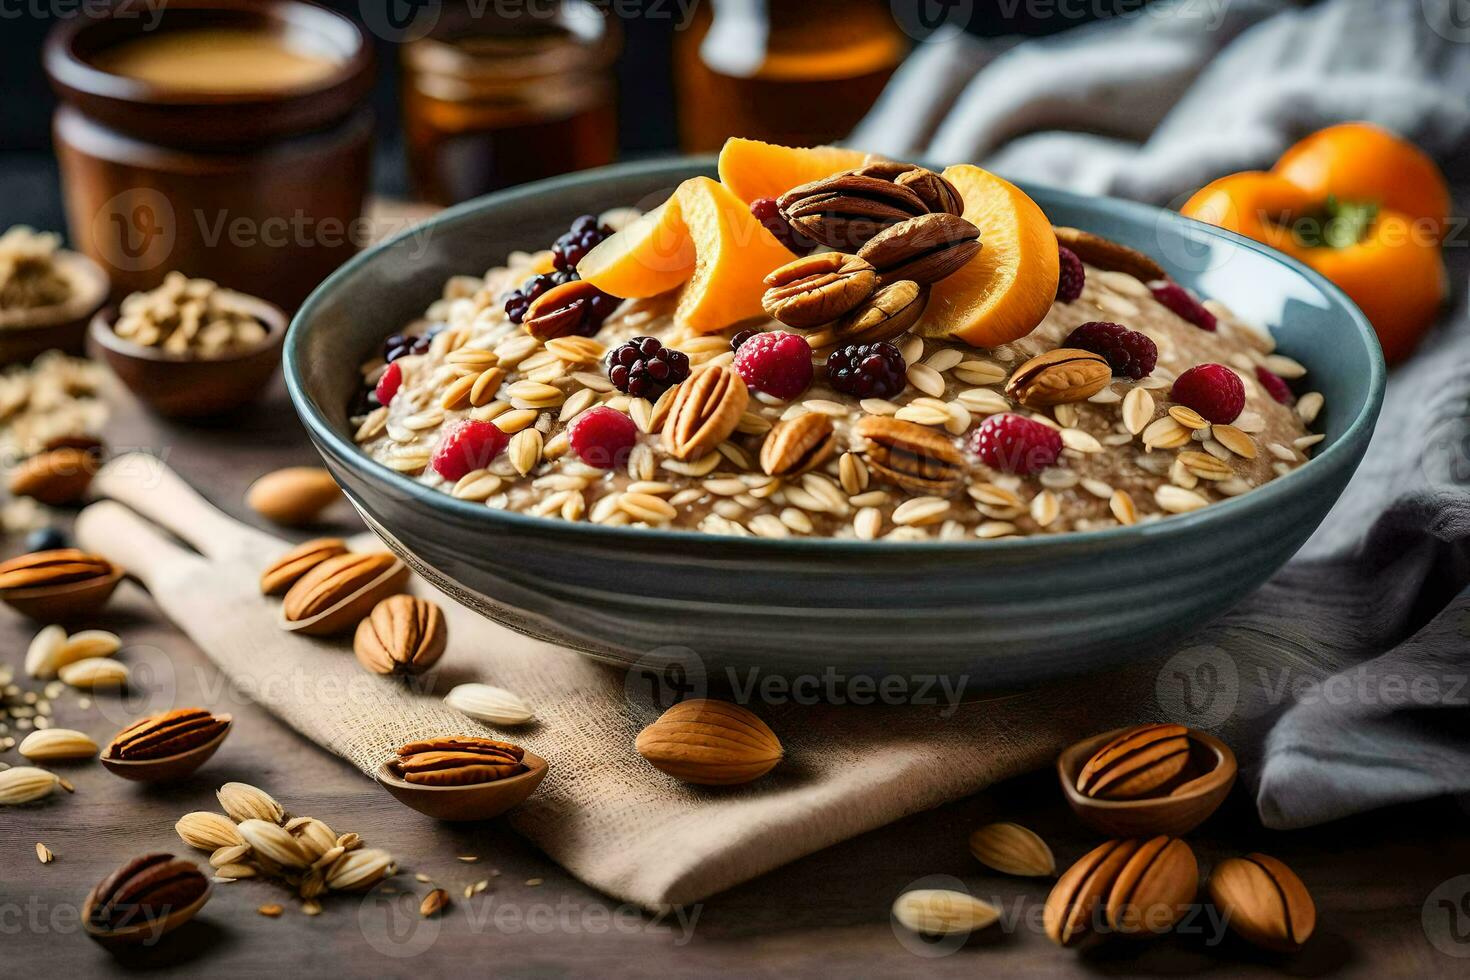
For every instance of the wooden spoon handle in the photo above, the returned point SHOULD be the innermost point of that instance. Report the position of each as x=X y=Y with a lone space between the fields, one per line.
x=149 y=487
x=125 y=539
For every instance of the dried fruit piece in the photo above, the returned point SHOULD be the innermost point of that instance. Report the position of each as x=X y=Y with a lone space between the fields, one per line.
x=1013 y=849
x=402 y=635
x=867 y=370
x=1183 y=303
x=467 y=445
x=1212 y=390
x=644 y=368
x=1137 y=763
x=460 y=760
x=603 y=437
x=941 y=912
x=776 y=362
x=712 y=743
x=1129 y=353
x=282 y=573
x=1264 y=901
x=1072 y=277
x=911 y=457
x=167 y=734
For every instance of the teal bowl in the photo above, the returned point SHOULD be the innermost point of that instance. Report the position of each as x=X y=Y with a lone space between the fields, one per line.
x=999 y=613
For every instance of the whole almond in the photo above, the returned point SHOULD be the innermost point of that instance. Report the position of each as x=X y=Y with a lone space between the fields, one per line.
x=798 y=444
x=55 y=478
x=283 y=573
x=706 y=410
x=402 y=635
x=25 y=784
x=245 y=802
x=712 y=743
x=294 y=495
x=1127 y=886
x=1059 y=377
x=1012 y=849
x=208 y=831
x=46 y=744
x=94 y=673
x=941 y=912
x=1264 y=901
x=1137 y=763
x=485 y=702
x=434 y=902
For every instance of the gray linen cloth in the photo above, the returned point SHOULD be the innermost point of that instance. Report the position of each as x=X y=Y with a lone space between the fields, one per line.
x=1344 y=680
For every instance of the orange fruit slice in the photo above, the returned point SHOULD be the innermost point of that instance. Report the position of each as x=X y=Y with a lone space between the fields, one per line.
x=752 y=169
x=1003 y=293
x=734 y=254
x=652 y=255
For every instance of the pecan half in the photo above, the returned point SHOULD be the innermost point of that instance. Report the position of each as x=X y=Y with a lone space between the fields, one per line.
x=888 y=313
x=56 y=477
x=911 y=457
x=1127 y=886
x=939 y=194
x=1137 y=763
x=402 y=635
x=282 y=573
x=64 y=566
x=332 y=581
x=457 y=761
x=562 y=311
x=818 y=289
x=145 y=890
x=1059 y=377
x=162 y=735
x=798 y=444
x=925 y=249
x=845 y=210
x=706 y=410
x=1104 y=253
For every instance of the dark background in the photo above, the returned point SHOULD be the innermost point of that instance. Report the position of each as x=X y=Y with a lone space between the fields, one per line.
x=29 y=193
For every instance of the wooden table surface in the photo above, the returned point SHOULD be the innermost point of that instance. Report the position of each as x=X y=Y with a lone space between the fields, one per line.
x=1374 y=878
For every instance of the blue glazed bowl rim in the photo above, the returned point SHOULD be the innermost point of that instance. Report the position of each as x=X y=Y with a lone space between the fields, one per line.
x=1241 y=507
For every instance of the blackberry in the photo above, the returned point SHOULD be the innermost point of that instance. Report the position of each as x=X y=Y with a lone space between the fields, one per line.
x=518 y=302
x=645 y=368
x=741 y=338
x=867 y=370
x=571 y=248
x=401 y=345
x=1130 y=354
x=768 y=214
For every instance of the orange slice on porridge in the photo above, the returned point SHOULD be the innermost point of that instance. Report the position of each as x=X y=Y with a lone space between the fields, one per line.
x=652 y=255
x=734 y=254
x=753 y=170
x=1004 y=292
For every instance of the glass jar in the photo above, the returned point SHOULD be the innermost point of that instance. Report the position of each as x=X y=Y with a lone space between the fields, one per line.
x=509 y=96
x=799 y=74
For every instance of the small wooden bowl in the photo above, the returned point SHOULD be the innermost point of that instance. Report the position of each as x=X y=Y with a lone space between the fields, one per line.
x=479 y=801
x=170 y=766
x=1210 y=774
x=26 y=333
x=187 y=387
x=143 y=932
x=63 y=603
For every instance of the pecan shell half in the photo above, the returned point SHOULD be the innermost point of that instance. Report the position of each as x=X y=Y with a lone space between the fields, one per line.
x=144 y=890
x=402 y=635
x=845 y=210
x=818 y=289
x=888 y=313
x=459 y=760
x=925 y=249
x=163 y=735
x=1139 y=762
x=911 y=457
x=282 y=573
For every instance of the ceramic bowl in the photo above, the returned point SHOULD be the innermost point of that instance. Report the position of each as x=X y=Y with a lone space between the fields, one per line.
x=26 y=333
x=183 y=386
x=1000 y=613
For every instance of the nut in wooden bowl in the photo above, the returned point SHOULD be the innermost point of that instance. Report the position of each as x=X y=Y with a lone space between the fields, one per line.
x=59 y=585
x=144 y=899
x=165 y=746
x=55 y=477
x=337 y=593
x=462 y=777
x=1134 y=888
x=1146 y=779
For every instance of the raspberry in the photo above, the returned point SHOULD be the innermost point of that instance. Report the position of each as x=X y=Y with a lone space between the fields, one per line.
x=1073 y=276
x=603 y=437
x=571 y=248
x=466 y=446
x=1179 y=299
x=867 y=370
x=519 y=301
x=1130 y=353
x=1016 y=444
x=645 y=368
x=389 y=384
x=1275 y=385
x=1213 y=390
x=768 y=214
x=776 y=362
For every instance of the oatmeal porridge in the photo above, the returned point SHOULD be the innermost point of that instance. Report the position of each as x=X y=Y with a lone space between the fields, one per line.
x=909 y=374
